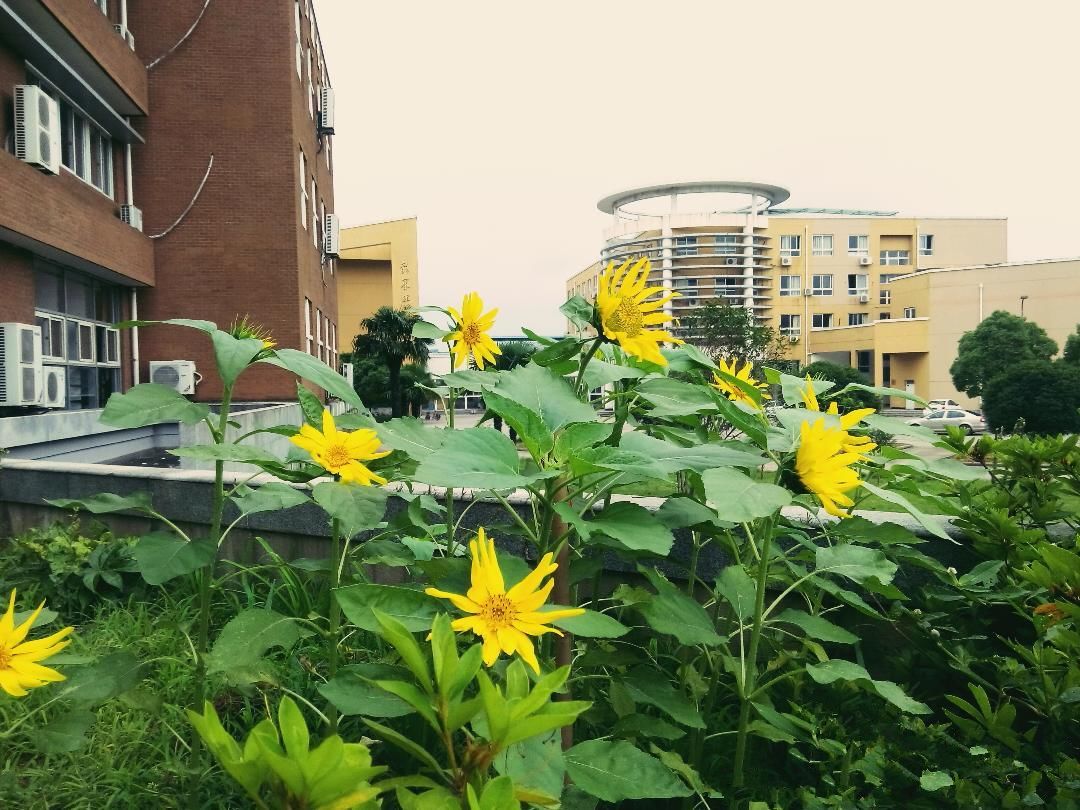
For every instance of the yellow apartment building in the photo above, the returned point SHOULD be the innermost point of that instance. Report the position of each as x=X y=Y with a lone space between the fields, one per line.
x=377 y=266
x=912 y=342
x=796 y=269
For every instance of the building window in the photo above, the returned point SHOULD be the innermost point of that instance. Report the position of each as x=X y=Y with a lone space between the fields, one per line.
x=884 y=293
x=307 y=325
x=858 y=245
x=926 y=244
x=311 y=84
x=864 y=362
x=333 y=345
x=822 y=285
x=790 y=285
x=909 y=312
x=318 y=333
x=858 y=283
x=790 y=325
x=684 y=282
x=822 y=320
x=685 y=245
x=822 y=245
x=727 y=244
x=884 y=316
x=791 y=245
x=303 y=189
x=314 y=213
x=857 y=318
x=86 y=150
x=76 y=314
x=299 y=46
x=898 y=257
x=103 y=5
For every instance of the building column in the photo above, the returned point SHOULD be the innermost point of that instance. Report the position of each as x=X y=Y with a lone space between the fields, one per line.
x=667 y=246
x=748 y=256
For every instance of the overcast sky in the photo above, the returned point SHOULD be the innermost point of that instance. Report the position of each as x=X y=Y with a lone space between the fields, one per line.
x=499 y=125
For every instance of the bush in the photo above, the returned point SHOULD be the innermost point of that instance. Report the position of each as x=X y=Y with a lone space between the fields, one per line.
x=842 y=375
x=1044 y=395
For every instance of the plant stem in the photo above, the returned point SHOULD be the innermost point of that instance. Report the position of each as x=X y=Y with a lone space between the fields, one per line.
x=561 y=594
x=584 y=363
x=750 y=669
x=334 y=629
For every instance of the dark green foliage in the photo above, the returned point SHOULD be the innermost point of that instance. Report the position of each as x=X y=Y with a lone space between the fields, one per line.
x=387 y=336
x=998 y=344
x=371 y=380
x=1044 y=395
x=842 y=375
x=1071 y=352
x=725 y=332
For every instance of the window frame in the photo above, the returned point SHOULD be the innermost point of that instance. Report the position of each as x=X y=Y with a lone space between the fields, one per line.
x=902 y=258
x=50 y=319
x=684 y=246
x=823 y=316
x=307 y=326
x=79 y=146
x=857 y=318
x=909 y=312
x=862 y=244
x=303 y=189
x=790 y=291
x=819 y=288
x=794 y=245
x=857 y=290
x=926 y=244
x=794 y=327
x=823 y=238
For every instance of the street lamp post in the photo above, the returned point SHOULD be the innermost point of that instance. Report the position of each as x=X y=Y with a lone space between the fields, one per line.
x=1023 y=298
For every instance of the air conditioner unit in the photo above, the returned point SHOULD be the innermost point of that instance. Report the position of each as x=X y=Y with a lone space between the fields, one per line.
x=131 y=215
x=20 y=364
x=793 y=339
x=180 y=375
x=326 y=111
x=785 y=261
x=864 y=261
x=731 y=261
x=37 y=128
x=864 y=298
x=54 y=387
x=331 y=236
x=807 y=292
x=125 y=34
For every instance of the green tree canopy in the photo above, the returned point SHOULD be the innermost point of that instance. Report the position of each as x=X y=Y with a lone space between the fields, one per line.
x=1045 y=395
x=997 y=345
x=842 y=375
x=371 y=381
x=387 y=337
x=1071 y=352
x=725 y=332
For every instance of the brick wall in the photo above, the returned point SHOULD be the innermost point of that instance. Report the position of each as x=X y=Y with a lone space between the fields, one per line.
x=16 y=285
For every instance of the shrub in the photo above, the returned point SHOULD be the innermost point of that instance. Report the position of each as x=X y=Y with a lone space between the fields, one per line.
x=1044 y=395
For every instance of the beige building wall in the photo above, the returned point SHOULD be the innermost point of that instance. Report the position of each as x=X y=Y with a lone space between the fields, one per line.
x=377 y=267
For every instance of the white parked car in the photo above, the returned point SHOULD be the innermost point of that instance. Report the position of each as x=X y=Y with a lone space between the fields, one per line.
x=938 y=420
x=940 y=405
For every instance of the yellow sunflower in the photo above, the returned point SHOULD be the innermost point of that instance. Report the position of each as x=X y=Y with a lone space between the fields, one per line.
x=734 y=392
x=340 y=453
x=626 y=314
x=825 y=465
x=861 y=445
x=19 y=667
x=246 y=328
x=470 y=335
x=505 y=619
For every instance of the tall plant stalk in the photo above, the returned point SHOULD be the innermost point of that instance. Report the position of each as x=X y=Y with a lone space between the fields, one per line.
x=333 y=631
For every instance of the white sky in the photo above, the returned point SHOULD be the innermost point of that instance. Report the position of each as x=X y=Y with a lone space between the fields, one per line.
x=499 y=125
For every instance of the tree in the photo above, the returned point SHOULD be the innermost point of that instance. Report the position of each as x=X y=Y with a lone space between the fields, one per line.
x=371 y=381
x=515 y=352
x=725 y=332
x=842 y=375
x=416 y=383
x=387 y=336
x=1045 y=395
x=1071 y=353
x=998 y=344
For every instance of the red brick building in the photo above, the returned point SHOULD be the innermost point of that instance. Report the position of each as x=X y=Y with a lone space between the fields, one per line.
x=145 y=94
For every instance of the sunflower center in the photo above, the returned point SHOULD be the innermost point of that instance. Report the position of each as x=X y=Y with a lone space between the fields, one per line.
x=498 y=611
x=336 y=456
x=627 y=318
x=470 y=334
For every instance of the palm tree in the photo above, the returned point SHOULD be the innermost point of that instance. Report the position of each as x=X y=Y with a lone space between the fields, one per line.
x=387 y=335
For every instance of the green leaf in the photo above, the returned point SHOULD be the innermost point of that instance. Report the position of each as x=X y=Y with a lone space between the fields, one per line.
x=536 y=763
x=106 y=502
x=267 y=498
x=681 y=512
x=698 y=458
x=674 y=613
x=423 y=329
x=637 y=465
x=63 y=734
x=546 y=394
x=310 y=406
x=530 y=428
x=356 y=508
x=738 y=590
x=162 y=556
x=633 y=527
x=248 y=636
x=411 y=436
x=314 y=370
x=234 y=453
x=233 y=355
x=471 y=379
x=578 y=436
x=674 y=398
x=935 y=780
x=740 y=499
x=592 y=624
x=840 y=670
x=106 y=678
x=857 y=563
x=150 y=404
x=648 y=687
x=817 y=627
x=600 y=373
x=578 y=311
x=617 y=771
x=792 y=387
x=414 y=609
x=929 y=523
x=880 y=391
x=353 y=692
x=478 y=458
